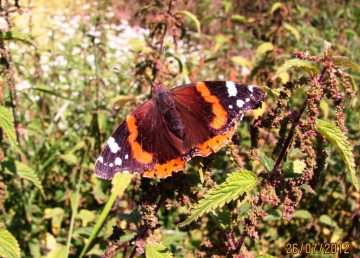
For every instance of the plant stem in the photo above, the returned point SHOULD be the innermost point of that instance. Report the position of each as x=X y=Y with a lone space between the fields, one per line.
x=291 y=132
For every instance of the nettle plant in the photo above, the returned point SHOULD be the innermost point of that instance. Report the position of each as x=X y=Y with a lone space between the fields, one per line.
x=296 y=163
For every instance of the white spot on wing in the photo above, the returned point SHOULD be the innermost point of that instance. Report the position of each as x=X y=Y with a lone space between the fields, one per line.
x=231 y=88
x=111 y=165
x=100 y=159
x=118 y=161
x=251 y=88
x=126 y=156
x=114 y=147
x=230 y=106
x=247 y=100
x=240 y=103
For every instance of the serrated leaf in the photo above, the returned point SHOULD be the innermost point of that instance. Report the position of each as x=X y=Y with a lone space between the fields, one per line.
x=192 y=17
x=235 y=185
x=156 y=250
x=7 y=124
x=264 y=47
x=9 y=246
x=292 y=30
x=301 y=214
x=267 y=162
x=296 y=63
x=17 y=35
x=339 y=140
x=345 y=61
x=25 y=172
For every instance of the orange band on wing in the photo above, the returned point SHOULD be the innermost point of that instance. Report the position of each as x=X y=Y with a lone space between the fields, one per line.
x=165 y=170
x=139 y=154
x=220 y=113
x=214 y=144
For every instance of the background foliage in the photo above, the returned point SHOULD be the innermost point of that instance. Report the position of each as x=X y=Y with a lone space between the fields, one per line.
x=61 y=100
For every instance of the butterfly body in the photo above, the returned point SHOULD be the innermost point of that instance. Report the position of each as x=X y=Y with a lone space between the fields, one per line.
x=163 y=133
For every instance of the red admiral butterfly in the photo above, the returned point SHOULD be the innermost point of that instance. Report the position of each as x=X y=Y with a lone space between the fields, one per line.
x=165 y=132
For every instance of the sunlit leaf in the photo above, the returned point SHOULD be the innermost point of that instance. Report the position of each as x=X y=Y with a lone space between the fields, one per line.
x=292 y=30
x=339 y=140
x=156 y=250
x=9 y=246
x=236 y=185
x=264 y=48
x=301 y=214
x=237 y=18
x=7 y=124
x=16 y=35
x=345 y=61
x=296 y=63
x=192 y=17
x=24 y=172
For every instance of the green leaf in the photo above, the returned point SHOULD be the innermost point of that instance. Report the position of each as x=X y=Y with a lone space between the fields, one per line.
x=264 y=47
x=301 y=214
x=276 y=6
x=292 y=30
x=222 y=217
x=69 y=159
x=296 y=63
x=156 y=250
x=9 y=246
x=237 y=18
x=345 y=61
x=86 y=216
x=267 y=162
x=327 y=220
x=274 y=93
x=134 y=216
x=239 y=60
x=294 y=168
x=57 y=216
x=7 y=124
x=16 y=35
x=24 y=172
x=273 y=214
x=235 y=185
x=339 y=140
x=192 y=17
x=219 y=41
